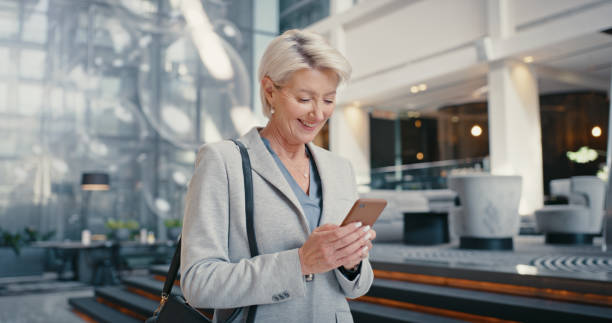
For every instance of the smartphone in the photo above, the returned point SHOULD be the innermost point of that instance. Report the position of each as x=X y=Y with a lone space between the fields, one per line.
x=366 y=211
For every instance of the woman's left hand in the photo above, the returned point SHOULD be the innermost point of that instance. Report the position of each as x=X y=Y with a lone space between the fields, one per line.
x=352 y=261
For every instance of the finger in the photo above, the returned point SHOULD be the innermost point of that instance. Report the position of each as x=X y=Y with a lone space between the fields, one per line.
x=354 y=247
x=345 y=230
x=363 y=234
x=326 y=227
x=354 y=257
x=373 y=233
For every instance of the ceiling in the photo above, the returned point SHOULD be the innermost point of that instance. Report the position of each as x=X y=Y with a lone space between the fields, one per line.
x=582 y=64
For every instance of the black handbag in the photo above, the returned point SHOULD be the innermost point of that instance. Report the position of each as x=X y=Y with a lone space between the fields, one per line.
x=174 y=308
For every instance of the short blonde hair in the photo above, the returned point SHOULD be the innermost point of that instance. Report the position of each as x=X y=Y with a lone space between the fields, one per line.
x=295 y=50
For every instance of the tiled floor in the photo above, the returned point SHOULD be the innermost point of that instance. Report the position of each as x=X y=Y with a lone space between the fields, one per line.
x=40 y=307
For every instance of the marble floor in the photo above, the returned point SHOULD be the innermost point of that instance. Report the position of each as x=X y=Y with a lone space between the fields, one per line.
x=40 y=307
x=531 y=256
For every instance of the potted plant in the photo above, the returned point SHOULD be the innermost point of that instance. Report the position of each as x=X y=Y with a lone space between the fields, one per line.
x=18 y=257
x=121 y=230
x=173 y=227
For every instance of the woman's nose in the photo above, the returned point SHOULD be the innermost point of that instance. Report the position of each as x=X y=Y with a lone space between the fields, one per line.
x=317 y=111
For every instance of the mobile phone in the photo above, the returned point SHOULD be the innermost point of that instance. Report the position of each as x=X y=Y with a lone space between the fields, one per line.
x=366 y=211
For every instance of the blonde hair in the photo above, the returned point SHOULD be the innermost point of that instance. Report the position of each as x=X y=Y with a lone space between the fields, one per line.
x=295 y=50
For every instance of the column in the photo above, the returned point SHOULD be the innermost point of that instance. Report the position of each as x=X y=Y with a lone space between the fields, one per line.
x=349 y=126
x=515 y=139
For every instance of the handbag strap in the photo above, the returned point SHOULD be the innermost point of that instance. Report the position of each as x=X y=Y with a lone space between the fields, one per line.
x=248 y=196
x=249 y=207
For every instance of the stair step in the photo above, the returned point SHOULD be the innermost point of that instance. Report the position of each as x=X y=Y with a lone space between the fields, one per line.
x=149 y=285
x=161 y=270
x=118 y=296
x=373 y=313
x=487 y=304
x=99 y=312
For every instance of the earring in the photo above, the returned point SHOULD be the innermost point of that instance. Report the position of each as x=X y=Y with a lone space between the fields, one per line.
x=272 y=110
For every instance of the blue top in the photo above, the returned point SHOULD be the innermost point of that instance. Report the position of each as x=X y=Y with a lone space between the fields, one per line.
x=311 y=203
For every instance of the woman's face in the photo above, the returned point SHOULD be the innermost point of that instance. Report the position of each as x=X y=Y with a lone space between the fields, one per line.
x=303 y=104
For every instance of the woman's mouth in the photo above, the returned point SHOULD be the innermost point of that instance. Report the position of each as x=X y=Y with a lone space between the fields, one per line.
x=307 y=124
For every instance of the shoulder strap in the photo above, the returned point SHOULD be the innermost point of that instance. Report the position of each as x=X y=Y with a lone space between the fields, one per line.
x=248 y=195
x=249 y=207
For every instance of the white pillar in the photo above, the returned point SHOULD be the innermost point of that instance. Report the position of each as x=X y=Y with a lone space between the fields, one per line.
x=515 y=139
x=349 y=136
x=349 y=126
x=607 y=223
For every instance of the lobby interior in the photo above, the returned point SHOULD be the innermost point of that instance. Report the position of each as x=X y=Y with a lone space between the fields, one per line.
x=483 y=123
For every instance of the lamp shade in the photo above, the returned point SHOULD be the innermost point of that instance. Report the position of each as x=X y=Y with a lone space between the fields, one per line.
x=95 y=182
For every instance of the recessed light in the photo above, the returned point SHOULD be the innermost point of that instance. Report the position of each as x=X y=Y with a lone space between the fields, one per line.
x=528 y=59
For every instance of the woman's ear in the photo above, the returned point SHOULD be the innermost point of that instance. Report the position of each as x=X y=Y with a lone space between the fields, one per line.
x=269 y=88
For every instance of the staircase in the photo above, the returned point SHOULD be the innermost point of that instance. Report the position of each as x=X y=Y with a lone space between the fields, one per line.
x=403 y=293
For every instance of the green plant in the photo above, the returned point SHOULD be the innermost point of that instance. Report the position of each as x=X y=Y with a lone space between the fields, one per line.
x=15 y=241
x=32 y=235
x=120 y=224
x=173 y=223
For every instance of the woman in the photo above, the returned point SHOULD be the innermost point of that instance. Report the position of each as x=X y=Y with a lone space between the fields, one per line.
x=308 y=264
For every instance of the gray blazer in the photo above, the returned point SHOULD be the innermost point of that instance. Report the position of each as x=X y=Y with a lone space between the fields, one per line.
x=216 y=268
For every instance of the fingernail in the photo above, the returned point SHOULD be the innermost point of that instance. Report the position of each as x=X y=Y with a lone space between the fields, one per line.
x=366 y=228
x=367 y=236
x=358 y=224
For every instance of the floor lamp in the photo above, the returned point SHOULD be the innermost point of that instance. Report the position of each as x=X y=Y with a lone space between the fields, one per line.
x=92 y=182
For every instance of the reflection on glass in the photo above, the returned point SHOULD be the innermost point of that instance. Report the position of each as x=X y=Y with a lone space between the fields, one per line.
x=9 y=20
x=194 y=104
x=35 y=28
x=32 y=64
x=30 y=99
x=5 y=60
x=3 y=97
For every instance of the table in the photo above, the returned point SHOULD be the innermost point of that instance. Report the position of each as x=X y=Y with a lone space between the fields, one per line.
x=97 y=263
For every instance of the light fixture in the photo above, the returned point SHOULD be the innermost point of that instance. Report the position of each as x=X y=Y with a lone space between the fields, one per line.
x=596 y=131
x=414 y=89
x=419 y=155
x=95 y=182
x=476 y=130
x=422 y=87
x=454 y=119
x=417 y=123
x=528 y=59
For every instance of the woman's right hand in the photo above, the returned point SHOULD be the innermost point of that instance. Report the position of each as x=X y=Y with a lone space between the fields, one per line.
x=329 y=246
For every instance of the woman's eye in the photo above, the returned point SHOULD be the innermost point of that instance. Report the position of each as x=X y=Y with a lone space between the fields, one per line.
x=304 y=100
x=329 y=101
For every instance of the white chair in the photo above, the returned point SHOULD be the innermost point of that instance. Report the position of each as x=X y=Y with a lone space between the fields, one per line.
x=579 y=221
x=487 y=217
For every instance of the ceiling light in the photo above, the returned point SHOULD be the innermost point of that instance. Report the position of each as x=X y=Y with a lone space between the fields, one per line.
x=422 y=87
x=417 y=123
x=476 y=131
x=455 y=119
x=419 y=156
x=528 y=59
x=596 y=131
x=414 y=89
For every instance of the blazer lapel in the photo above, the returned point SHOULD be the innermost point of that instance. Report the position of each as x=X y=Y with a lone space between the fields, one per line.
x=263 y=164
x=326 y=175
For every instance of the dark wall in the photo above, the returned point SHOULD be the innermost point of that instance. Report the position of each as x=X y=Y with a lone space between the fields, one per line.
x=382 y=142
x=567 y=120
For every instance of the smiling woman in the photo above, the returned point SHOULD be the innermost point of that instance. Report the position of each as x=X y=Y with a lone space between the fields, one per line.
x=299 y=236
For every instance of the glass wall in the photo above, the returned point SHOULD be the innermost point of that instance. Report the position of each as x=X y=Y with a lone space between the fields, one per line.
x=130 y=88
